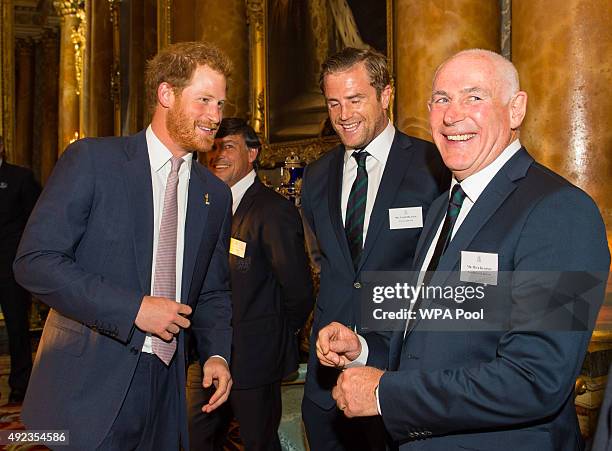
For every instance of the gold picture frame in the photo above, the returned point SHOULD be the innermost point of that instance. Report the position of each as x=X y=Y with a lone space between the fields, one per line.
x=262 y=91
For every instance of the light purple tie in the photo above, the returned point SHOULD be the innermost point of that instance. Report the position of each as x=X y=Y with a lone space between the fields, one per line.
x=164 y=283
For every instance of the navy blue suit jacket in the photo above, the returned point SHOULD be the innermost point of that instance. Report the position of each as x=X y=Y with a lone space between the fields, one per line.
x=510 y=387
x=413 y=177
x=87 y=253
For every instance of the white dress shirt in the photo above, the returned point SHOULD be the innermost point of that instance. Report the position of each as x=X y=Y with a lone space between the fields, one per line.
x=378 y=149
x=159 y=158
x=240 y=188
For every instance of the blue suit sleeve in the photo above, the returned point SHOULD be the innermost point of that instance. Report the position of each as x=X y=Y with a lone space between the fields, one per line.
x=46 y=262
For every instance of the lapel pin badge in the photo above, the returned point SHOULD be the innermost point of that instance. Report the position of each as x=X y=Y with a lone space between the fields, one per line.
x=206 y=199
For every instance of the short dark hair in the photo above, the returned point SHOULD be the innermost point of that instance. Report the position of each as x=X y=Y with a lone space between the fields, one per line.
x=176 y=63
x=238 y=126
x=375 y=64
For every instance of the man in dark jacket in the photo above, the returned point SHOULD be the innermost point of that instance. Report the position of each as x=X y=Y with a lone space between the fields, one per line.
x=18 y=194
x=271 y=297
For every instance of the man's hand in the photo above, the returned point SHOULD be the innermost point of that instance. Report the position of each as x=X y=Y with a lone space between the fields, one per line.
x=162 y=317
x=216 y=372
x=355 y=391
x=337 y=345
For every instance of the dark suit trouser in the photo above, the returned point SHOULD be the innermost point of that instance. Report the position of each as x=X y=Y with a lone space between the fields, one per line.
x=14 y=303
x=258 y=411
x=330 y=430
x=149 y=417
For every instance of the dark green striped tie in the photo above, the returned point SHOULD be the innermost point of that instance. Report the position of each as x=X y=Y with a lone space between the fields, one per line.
x=454 y=206
x=355 y=208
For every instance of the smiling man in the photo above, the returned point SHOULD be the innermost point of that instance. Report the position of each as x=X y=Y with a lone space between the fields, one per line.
x=354 y=198
x=127 y=254
x=271 y=299
x=509 y=385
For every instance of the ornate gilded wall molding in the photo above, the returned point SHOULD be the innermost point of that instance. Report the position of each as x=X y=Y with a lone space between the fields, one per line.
x=67 y=7
x=79 y=39
x=7 y=76
x=256 y=20
x=78 y=32
x=164 y=23
x=506 y=28
x=308 y=150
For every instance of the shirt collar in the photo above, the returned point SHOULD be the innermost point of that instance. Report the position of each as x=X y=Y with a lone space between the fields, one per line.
x=243 y=185
x=475 y=184
x=379 y=147
x=159 y=154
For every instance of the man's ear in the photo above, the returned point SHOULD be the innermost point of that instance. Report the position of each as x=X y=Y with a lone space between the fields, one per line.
x=385 y=97
x=518 y=109
x=165 y=95
x=253 y=152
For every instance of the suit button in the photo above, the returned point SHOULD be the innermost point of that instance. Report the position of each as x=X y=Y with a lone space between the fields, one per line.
x=357 y=285
x=134 y=350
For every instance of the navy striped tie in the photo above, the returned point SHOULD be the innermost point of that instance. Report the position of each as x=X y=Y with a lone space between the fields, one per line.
x=355 y=208
x=452 y=212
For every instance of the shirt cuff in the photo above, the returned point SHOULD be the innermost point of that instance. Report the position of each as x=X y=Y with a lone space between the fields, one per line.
x=362 y=358
x=221 y=357
x=377 y=401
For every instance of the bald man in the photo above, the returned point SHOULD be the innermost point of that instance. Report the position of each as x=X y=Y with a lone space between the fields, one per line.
x=507 y=381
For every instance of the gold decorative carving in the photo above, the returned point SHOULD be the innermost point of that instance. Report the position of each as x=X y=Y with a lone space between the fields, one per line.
x=78 y=37
x=272 y=155
x=78 y=34
x=255 y=13
x=68 y=7
x=506 y=28
x=7 y=77
x=256 y=20
x=164 y=23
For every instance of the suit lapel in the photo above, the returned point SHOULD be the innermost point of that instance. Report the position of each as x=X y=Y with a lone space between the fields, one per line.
x=396 y=167
x=195 y=225
x=245 y=205
x=432 y=222
x=491 y=199
x=487 y=204
x=336 y=166
x=137 y=177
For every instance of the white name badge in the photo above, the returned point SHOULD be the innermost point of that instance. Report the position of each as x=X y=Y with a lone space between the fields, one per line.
x=479 y=267
x=237 y=247
x=405 y=218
